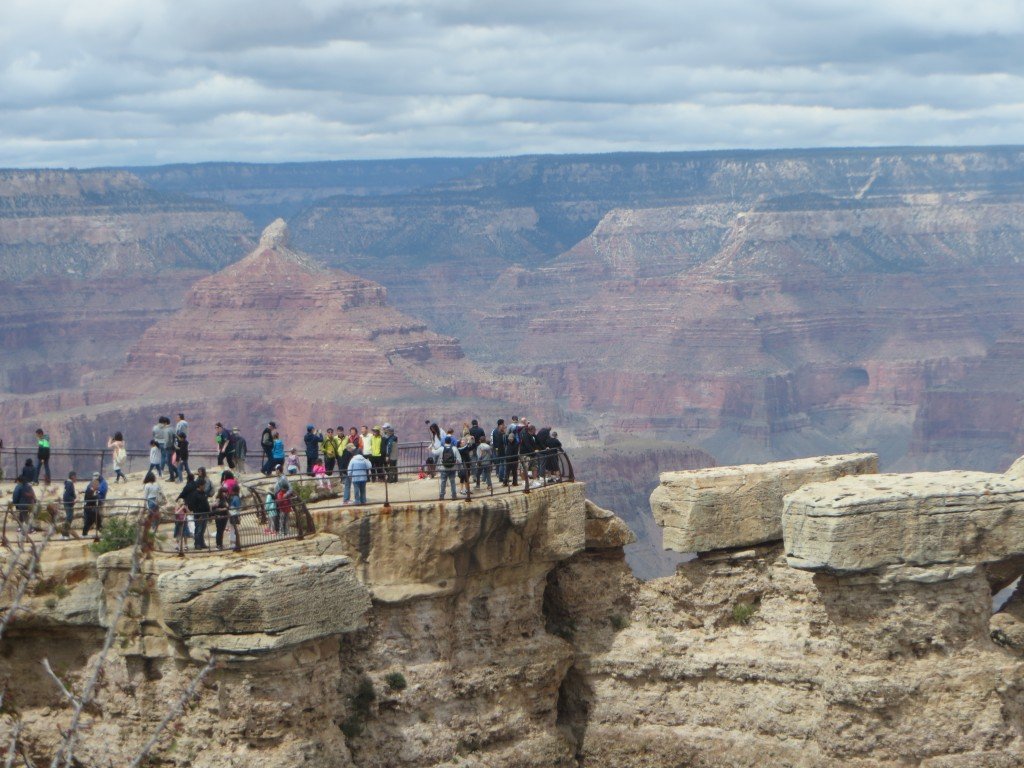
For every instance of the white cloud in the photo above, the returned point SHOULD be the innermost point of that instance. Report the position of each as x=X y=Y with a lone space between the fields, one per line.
x=149 y=81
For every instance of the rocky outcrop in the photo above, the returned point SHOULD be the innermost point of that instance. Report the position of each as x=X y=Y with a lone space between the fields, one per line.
x=739 y=659
x=723 y=507
x=864 y=523
x=262 y=606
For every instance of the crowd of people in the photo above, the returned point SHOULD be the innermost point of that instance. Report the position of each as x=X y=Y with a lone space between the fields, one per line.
x=358 y=455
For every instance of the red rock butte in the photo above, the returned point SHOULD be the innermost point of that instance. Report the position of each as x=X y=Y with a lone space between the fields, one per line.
x=277 y=335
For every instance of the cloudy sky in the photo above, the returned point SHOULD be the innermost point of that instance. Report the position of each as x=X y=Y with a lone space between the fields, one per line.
x=140 y=82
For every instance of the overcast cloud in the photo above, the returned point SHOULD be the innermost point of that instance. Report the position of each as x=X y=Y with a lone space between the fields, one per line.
x=138 y=82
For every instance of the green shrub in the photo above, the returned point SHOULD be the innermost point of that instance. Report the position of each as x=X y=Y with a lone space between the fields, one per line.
x=396 y=681
x=352 y=726
x=742 y=613
x=618 y=621
x=364 y=697
x=118 y=533
x=304 y=489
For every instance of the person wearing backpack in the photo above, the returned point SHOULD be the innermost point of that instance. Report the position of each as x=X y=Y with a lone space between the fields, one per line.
x=448 y=461
x=24 y=500
x=70 y=494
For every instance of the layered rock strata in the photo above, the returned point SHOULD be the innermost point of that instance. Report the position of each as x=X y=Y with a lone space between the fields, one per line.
x=723 y=507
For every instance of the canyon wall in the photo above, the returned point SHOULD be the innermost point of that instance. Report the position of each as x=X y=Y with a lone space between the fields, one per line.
x=509 y=632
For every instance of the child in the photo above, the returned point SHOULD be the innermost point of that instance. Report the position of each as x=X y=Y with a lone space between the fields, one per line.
x=270 y=507
x=234 y=518
x=181 y=526
x=291 y=466
x=154 y=458
x=284 y=508
x=118 y=455
x=320 y=473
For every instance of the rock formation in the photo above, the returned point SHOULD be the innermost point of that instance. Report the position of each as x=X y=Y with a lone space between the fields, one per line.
x=508 y=631
x=726 y=507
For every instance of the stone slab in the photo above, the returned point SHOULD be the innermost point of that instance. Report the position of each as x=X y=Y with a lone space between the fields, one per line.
x=703 y=510
x=857 y=524
x=255 y=606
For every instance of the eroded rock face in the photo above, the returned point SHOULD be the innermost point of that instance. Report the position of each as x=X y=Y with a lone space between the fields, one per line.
x=741 y=660
x=722 y=507
x=922 y=519
x=257 y=607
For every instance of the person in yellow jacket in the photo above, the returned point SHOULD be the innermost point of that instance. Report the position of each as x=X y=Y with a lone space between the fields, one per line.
x=377 y=454
x=332 y=447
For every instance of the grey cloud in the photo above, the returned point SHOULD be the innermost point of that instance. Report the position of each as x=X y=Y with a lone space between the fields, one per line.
x=119 y=82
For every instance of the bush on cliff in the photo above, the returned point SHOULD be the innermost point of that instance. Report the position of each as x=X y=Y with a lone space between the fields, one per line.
x=118 y=533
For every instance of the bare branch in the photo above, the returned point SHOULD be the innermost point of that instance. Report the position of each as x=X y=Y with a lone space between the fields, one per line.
x=67 y=694
x=12 y=748
x=174 y=712
x=31 y=567
x=65 y=753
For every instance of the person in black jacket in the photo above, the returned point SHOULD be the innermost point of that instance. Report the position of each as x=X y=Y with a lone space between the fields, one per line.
x=196 y=495
x=498 y=450
x=267 y=444
x=312 y=439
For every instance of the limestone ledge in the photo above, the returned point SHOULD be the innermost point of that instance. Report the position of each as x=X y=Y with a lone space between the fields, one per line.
x=240 y=605
x=723 y=507
x=410 y=551
x=857 y=524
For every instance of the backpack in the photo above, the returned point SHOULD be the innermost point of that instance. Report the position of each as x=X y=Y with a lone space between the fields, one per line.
x=448 y=457
x=512 y=436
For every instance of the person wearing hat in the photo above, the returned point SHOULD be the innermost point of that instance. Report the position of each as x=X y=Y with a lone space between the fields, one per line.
x=390 y=452
x=312 y=440
x=448 y=461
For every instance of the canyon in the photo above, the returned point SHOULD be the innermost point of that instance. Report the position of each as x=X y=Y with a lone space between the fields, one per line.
x=718 y=307
x=510 y=632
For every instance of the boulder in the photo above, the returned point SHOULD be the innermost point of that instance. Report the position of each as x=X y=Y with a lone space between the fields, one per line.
x=862 y=523
x=723 y=507
x=256 y=606
x=604 y=529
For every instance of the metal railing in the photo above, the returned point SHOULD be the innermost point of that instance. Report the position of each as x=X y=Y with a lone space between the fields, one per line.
x=410 y=482
x=218 y=529
x=413 y=480
x=85 y=461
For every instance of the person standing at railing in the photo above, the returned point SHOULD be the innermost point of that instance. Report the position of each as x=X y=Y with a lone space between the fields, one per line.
x=23 y=497
x=267 y=444
x=154 y=497
x=43 y=455
x=390 y=453
x=181 y=446
x=241 y=449
x=90 y=509
x=101 y=492
x=312 y=440
x=68 y=499
x=447 y=460
x=154 y=457
x=359 y=469
x=346 y=478
x=377 y=455
x=498 y=449
x=332 y=448
x=277 y=453
x=483 y=463
x=512 y=437
x=554 y=468
x=221 y=438
x=162 y=438
x=118 y=455
x=220 y=515
x=196 y=494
